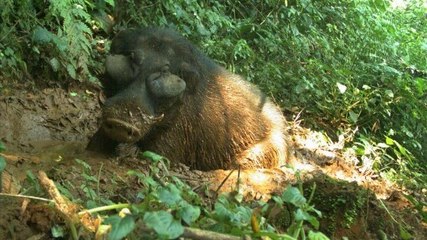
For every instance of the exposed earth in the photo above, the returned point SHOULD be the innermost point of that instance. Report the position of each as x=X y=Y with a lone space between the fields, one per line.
x=48 y=129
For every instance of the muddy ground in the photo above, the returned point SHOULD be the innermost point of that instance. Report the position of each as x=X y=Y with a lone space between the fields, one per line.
x=48 y=129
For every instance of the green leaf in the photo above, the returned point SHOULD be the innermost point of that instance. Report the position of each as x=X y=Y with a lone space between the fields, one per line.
x=353 y=116
x=222 y=211
x=54 y=63
x=294 y=196
x=91 y=204
x=139 y=175
x=366 y=87
x=152 y=156
x=33 y=180
x=2 y=160
x=238 y=197
x=57 y=231
x=170 y=195
x=389 y=93
x=241 y=216
x=389 y=141
x=2 y=147
x=2 y=164
x=111 y=2
x=317 y=236
x=189 y=213
x=303 y=215
x=312 y=209
x=83 y=163
x=383 y=145
x=404 y=234
x=64 y=191
x=71 y=71
x=41 y=35
x=277 y=200
x=163 y=223
x=121 y=227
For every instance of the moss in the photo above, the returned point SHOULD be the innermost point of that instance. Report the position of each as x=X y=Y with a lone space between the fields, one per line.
x=342 y=203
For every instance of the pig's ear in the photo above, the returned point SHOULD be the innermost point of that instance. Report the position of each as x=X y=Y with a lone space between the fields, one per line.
x=191 y=76
x=120 y=68
x=119 y=73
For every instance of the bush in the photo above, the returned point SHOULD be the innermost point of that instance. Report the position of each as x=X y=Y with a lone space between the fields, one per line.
x=51 y=39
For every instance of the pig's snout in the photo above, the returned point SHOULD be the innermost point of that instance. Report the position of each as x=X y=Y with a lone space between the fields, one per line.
x=121 y=131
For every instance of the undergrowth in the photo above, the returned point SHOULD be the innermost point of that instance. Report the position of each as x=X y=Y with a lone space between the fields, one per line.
x=168 y=208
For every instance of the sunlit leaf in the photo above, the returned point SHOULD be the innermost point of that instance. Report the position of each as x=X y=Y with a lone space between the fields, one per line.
x=389 y=93
x=57 y=231
x=294 y=196
x=317 y=236
x=164 y=224
x=152 y=156
x=389 y=141
x=341 y=87
x=353 y=116
x=111 y=2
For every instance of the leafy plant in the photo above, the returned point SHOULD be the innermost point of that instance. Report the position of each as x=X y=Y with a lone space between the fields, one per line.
x=50 y=39
x=168 y=207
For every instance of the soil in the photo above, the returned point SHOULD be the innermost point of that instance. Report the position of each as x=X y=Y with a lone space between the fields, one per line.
x=48 y=130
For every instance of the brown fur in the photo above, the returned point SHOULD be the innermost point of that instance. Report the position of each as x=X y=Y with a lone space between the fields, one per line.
x=229 y=124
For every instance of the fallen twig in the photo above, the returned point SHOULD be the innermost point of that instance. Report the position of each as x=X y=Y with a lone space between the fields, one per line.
x=66 y=208
x=26 y=196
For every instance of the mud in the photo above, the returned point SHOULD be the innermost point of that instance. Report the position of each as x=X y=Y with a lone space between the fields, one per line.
x=48 y=130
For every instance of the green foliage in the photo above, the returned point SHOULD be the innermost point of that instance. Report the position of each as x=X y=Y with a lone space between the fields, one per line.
x=164 y=224
x=420 y=206
x=92 y=196
x=53 y=39
x=33 y=181
x=121 y=226
x=303 y=212
x=167 y=206
x=152 y=156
